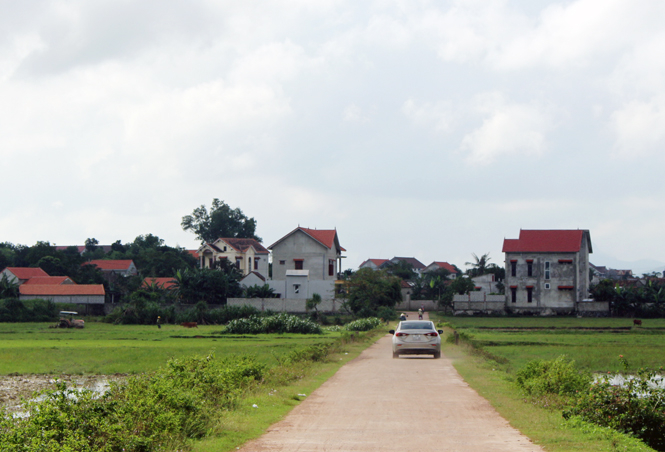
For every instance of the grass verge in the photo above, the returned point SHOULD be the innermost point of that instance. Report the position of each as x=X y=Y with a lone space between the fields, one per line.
x=545 y=427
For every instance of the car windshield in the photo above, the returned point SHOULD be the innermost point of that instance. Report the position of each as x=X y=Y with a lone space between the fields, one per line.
x=416 y=326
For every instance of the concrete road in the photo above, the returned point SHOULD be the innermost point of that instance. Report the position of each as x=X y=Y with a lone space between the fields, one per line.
x=377 y=403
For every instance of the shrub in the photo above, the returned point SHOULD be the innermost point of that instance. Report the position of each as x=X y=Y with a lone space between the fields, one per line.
x=558 y=376
x=15 y=310
x=635 y=408
x=366 y=324
x=279 y=323
x=152 y=412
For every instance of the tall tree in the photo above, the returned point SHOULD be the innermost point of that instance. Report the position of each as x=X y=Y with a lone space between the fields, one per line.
x=479 y=267
x=221 y=221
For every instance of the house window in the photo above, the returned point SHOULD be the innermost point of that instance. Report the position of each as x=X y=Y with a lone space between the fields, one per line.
x=282 y=262
x=299 y=263
x=296 y=288
x=547 y=285
x=513 y=294
x=547 y=270
x=529 y=268
x=210 y=261
x=249 y=266
x=256 y=263
x=513 y=268
x=529 y=294
x=331 y=267
x=238 y=260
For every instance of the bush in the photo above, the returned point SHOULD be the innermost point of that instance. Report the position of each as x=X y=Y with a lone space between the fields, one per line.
x=635 y=408
x=153 y=412
x=279 y=323
x=363 y=324
x=558 y=376
x=15 y=310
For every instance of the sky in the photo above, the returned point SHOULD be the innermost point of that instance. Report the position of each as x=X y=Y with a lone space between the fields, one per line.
x=416 y=128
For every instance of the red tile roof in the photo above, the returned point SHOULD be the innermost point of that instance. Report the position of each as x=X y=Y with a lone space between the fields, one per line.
x=65 y=289
x=107 y=264
x=445 y=265
x=26 y=272
x=49 y=280
x=162 y=283
x=377 y=262
x=546 y=241
x=194 y=253
x=244 y=244
x=325 y=237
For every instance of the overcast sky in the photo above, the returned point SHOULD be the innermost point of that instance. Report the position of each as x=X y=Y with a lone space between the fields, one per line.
x=432 y=129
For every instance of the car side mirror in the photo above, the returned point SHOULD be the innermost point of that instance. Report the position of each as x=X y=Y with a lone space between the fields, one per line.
x=440 y=331
x=392 y=331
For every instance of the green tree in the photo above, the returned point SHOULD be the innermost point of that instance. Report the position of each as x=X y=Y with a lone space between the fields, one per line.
x=369 y=290
x=221 y=221
x=401 y=269
x=256 y=291
x=8 y=289
x=209 y=285
x=313 y=303
x=479 y=267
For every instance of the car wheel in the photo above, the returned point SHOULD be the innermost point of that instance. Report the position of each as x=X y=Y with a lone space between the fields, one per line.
x=437 y=355
x=395 y=355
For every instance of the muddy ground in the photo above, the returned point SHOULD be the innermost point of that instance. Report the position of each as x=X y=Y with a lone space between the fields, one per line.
x=15 y=388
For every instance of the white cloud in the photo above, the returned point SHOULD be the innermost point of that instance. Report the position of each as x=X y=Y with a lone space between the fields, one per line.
x=639 y=129
x=507 y=129
x=438 y=116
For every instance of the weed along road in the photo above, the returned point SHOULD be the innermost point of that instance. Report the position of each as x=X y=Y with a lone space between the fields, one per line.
x=377 y=403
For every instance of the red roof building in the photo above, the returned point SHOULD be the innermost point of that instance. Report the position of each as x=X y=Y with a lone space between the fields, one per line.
x=547 y=269
x=161 y=283
x=22 y=274
x=49 y=280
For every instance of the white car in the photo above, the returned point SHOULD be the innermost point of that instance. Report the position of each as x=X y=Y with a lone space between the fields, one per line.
x=418 y=337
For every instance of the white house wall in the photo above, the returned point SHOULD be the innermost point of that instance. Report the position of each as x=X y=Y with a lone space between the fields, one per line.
x=315 y=257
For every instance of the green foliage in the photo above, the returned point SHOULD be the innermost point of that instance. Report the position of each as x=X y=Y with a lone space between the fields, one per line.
x=14 y=310
x=386 y=313
x=151 y=412
x=479 y=266
x=365 y=324
x=402 y=269
x=646 y=300
x=369 y=290
x=462 y=285
x=211 y=285
x=558 y=376
x=313 y=303
x=8 y=289
x=635 y=408
x=222 y=221
x=256 y=291
x=145 y=312
x=280 y=323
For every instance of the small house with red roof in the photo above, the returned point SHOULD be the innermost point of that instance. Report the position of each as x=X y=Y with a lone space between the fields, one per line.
x=436 y=265
x=547 y=269
x=248 y=255
x=374 y=264
x=160 y=283
x=315 y=250
x=88 y=294
x=124 y=267
x=19 y=275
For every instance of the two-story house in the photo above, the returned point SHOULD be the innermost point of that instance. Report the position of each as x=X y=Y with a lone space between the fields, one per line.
x=547 y=269
x=307 y=261
x=248 y=255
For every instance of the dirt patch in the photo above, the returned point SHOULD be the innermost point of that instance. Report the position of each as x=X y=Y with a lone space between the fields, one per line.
x=15 y=388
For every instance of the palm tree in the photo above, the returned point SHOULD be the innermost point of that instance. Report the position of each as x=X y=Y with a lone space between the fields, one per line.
x=480 y=264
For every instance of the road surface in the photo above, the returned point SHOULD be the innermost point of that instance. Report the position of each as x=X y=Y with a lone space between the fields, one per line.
x=377 y=403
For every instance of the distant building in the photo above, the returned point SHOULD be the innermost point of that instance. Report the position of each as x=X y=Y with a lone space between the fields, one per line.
x=247 y=255
x=19 y=275
x=417 y=266
x=434 y=266
x=374 y=264
x=547 y=268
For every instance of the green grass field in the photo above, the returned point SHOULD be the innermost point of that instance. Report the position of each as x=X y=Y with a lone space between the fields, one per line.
x=594 y=343
x=102 y=348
